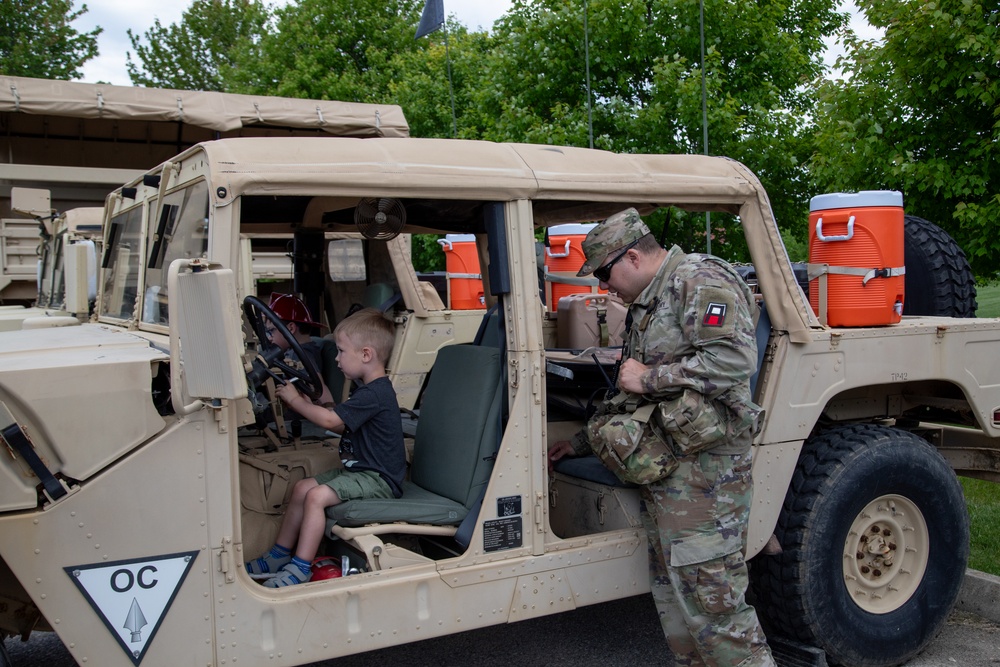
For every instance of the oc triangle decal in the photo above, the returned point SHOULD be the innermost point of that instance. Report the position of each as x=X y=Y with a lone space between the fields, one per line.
x=132 y=596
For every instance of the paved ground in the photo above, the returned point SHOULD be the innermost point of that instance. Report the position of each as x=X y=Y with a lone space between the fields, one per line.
x=970 y=638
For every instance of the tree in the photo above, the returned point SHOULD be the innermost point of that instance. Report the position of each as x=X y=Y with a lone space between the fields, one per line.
x=421 y=87
x=334 y=50
x=646 y=85
x=202 y=51
x=920 y=113
x=37 y=40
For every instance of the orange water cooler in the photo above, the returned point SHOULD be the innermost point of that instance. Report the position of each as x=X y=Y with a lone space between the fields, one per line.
x=563 y=258
x=463 y=275
x=856 y=271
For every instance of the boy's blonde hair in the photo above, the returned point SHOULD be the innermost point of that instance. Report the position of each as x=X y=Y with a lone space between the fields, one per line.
x=369 y=327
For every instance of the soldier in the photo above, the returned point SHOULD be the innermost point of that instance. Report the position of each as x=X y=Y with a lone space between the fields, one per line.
x=679 y=422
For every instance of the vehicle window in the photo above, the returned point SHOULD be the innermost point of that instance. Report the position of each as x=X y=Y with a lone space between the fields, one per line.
x=121 y=264
x=180 y=232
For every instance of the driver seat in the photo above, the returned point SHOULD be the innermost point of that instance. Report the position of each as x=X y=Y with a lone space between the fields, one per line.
x=457 y=437
x=330 y=371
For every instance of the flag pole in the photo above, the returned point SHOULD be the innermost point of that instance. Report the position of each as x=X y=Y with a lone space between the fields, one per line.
x=586 y=52
x=451 y=90
x=432 y=18
x=704 y=117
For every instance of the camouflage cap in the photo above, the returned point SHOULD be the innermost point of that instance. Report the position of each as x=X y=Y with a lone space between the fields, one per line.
x=616 y=232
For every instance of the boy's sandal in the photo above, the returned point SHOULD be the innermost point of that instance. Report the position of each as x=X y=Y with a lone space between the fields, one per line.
x=260 y=568
x=289 y=575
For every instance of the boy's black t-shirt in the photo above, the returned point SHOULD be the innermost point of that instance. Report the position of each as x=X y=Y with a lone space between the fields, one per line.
x=373 y=432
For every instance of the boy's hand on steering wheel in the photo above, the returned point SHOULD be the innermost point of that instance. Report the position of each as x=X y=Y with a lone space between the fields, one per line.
x=288 y=393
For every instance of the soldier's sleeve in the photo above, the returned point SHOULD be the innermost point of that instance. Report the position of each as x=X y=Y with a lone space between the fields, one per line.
x=580 y=443
x=718 y=325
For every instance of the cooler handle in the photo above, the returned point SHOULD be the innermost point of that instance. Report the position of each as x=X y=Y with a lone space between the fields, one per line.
x=446 y=244
x=548 y=251
x=846 y=237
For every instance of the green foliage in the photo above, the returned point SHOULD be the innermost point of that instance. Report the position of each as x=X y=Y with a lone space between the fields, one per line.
x=796 y=245
x=983 y=504
x=426 y=253
x=37 y=40
x=920 y=113
x=526 y=81
x=422 y=87
x=334 y=50
x=204 y=50
x=646 y=82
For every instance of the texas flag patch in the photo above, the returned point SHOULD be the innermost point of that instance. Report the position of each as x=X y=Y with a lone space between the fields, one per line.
x=715 y=315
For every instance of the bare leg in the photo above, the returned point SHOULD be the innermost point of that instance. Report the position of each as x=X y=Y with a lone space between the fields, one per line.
x=292 y=522
x=313 y=520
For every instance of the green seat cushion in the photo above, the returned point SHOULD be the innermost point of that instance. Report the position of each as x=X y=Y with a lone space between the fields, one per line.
x=416 y=506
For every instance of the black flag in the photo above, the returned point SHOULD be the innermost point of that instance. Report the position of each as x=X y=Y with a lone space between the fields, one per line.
x=431 y=19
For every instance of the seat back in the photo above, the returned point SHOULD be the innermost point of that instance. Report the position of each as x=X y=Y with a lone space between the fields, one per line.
x=330 y=371
x=457 y=437
x=458 y=430
x=379 y=295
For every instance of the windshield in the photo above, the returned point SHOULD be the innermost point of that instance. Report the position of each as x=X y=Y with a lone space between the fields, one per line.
x=181 y=232
x=121 y=264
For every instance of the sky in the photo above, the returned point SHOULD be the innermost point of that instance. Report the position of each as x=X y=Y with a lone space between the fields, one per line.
x=118 y=16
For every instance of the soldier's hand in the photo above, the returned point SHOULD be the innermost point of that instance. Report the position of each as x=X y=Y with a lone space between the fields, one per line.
x=559 y=449
x=630 y=376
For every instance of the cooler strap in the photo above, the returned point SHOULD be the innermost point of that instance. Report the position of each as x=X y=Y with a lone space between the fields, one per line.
x=815 y=270
x=820 y=271
x=567 y=278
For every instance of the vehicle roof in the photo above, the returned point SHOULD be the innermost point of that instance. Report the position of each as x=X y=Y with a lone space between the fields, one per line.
x=222 y=112
x=566 y=183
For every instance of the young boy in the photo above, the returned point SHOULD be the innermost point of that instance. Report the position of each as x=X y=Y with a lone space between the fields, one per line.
x=371 y=448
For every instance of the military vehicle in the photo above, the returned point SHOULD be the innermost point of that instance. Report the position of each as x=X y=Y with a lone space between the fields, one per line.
x=79 y=141
x=66 y=272
x=143 y=470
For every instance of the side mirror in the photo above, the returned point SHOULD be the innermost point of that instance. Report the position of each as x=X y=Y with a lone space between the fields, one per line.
x=206 y=334
x=32 y=202
x=80 y=275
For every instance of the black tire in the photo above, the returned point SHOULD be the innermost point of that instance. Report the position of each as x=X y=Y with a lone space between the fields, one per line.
x=938 y=278
x=866 y=612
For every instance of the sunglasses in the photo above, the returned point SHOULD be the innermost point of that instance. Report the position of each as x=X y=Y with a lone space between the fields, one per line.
x=603 y=273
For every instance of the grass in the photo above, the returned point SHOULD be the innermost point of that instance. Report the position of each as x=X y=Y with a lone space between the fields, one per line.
x=988 y=298
x=983 y=501
x=981 y=497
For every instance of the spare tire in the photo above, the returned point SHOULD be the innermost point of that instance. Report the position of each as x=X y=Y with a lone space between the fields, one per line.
x=938 y=278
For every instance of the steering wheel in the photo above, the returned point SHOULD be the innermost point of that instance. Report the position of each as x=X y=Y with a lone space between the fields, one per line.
x=271 y=356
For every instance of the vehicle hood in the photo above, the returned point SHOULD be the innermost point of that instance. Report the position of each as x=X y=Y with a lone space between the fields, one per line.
x=82 y=394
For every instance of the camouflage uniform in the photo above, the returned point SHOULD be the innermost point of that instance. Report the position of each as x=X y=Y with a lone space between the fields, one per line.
x=693 y=326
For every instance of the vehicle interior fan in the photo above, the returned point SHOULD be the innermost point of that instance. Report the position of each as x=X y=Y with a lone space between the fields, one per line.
x=379 y=218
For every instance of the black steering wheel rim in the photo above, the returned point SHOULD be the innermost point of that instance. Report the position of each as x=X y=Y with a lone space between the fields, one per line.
x=270 y=355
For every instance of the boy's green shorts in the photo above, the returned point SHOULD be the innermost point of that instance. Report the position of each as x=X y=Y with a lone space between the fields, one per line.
x=354 y=484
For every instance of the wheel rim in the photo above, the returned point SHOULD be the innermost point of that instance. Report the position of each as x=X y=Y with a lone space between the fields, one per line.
x=885 y=554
